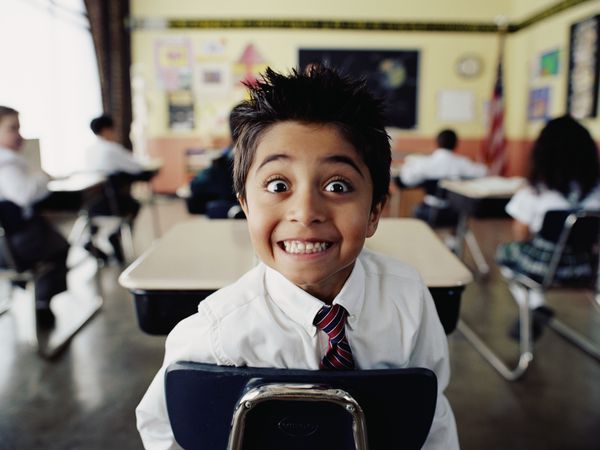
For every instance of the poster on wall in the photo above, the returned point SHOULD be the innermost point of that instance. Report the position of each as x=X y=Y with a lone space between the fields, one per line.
x=390 y=74
x=550 y=63
x=173 y=62
x=455 y=106
x=181 y=110
x=249 y=65
x=539 y=104
x=584 y=64
x=213 y=78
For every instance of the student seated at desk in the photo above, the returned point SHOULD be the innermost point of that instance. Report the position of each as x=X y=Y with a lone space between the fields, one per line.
x=564 y=174
x=442 y=164
x=34 y=243
x=211 y=190
x=110 y=158
x=312 y=172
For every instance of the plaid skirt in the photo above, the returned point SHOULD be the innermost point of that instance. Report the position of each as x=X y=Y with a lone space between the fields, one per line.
x=532 y=258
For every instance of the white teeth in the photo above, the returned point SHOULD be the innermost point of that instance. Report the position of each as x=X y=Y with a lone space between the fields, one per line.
x=305 y=247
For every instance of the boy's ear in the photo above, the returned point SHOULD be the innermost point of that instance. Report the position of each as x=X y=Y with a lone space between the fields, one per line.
x=243 y=204
x=374 y=218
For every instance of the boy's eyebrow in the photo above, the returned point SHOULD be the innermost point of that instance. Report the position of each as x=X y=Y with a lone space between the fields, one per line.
x=271 y=158
x=343 y=159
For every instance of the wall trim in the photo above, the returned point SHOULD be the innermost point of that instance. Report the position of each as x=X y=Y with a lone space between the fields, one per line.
x=142 y=23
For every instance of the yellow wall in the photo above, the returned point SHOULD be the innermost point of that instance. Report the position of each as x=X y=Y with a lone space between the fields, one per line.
x=439 y=52
x=523 y=49
x=438 y=55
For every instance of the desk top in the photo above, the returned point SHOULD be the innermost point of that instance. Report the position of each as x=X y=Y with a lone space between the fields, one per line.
x=76 y=183
x=151 y=164
x=485 y=187
x=204 y=254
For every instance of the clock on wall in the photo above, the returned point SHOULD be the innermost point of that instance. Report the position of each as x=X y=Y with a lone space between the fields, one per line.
x=469 y=66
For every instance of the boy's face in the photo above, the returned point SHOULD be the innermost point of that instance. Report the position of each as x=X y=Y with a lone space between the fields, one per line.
x=308 y=205
x=9 y=132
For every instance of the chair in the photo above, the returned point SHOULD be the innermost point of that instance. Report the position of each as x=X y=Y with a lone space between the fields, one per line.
x=224 y=209
x=576 y=230
x=219 y=407
x=10 y=217
x=122 y=206
x=47 y=345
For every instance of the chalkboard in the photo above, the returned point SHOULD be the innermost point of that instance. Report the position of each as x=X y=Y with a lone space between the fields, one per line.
x=392 y=75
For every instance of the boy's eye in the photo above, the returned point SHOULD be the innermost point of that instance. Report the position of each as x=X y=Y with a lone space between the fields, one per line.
x=337 y=186
x=277 y=186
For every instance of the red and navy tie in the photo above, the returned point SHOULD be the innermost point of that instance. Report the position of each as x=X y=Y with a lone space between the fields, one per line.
x=332 y=320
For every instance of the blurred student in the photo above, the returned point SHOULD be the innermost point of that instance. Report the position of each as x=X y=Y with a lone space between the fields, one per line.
x=427 y=171
x=34 y=243
x=442 y=164
x=211 y=189
x=108 y=157
x=563 y=174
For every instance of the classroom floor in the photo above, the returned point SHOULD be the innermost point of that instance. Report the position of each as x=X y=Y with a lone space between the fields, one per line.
x=85 y=398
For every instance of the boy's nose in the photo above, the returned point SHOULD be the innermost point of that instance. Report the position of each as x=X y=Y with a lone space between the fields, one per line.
x=306 y=207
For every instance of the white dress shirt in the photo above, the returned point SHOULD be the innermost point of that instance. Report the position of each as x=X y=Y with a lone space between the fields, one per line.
x=18 y=183
x=442 y=164
x=107 y=157
x=529 y=207
x=264 y=320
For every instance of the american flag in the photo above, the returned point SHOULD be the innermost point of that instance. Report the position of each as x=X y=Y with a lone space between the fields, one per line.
x=494 y=146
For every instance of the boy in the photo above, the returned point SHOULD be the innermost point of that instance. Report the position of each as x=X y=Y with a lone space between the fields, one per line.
x=108 y=157
x=34 y=243
x=443 y=163
x=311 y=172
x=213 y=185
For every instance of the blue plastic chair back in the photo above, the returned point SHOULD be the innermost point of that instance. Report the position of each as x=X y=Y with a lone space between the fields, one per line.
x=398 y=405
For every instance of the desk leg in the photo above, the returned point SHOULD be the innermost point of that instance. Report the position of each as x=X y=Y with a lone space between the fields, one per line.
x=476 y=253
x=461 y=232
x=155 y=216
x=79 y=227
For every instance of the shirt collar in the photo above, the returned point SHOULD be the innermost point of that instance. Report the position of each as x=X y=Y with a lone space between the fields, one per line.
x=302 y=307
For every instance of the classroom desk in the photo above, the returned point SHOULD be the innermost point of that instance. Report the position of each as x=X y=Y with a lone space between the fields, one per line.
x=75 y=192
x=199 y=256
x=478 y=197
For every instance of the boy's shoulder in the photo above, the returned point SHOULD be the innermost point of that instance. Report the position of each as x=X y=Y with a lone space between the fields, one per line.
x=378 y=264
x=239 y=294
x=8 y=156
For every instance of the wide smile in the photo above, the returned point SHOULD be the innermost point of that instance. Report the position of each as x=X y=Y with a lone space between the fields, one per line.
x=299 y=247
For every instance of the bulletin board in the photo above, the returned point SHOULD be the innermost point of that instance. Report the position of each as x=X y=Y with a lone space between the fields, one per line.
x=392 y=75
x=584 y=64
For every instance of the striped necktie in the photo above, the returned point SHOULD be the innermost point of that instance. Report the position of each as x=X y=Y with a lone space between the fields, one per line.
x=332 y=320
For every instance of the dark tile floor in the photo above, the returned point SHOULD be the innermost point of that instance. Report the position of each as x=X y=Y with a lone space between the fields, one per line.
x=85 y=398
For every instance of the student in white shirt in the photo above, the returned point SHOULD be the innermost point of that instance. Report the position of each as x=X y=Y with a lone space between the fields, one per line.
x=442 y=164
x=564 y=174
x=34 y=243
x=311 y=171
x=110 y=158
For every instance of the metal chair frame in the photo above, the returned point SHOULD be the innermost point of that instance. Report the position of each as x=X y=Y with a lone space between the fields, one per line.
x=301 y=393
x=11 y=273
x=548 y=282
